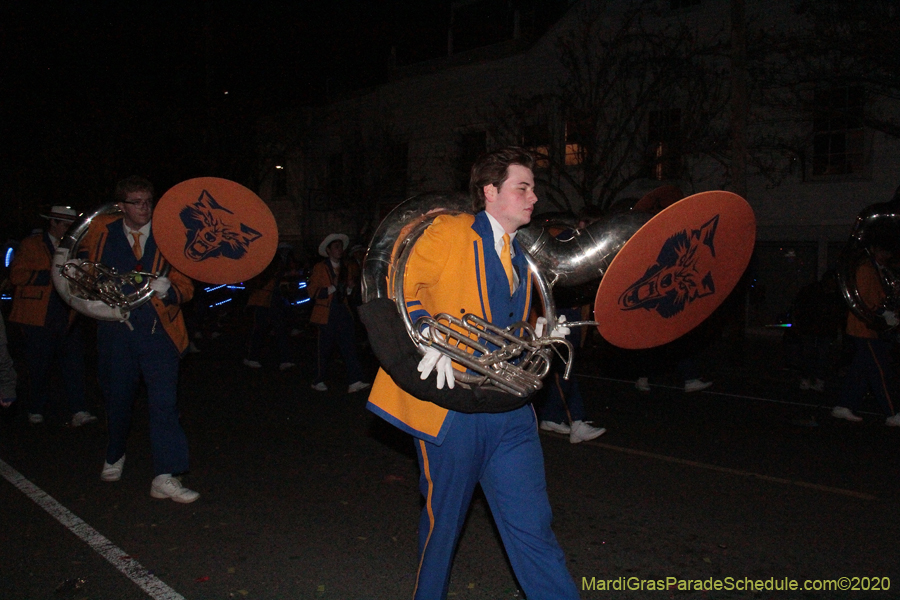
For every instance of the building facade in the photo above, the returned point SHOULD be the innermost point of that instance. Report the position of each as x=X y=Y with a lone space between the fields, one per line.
x=344 y=165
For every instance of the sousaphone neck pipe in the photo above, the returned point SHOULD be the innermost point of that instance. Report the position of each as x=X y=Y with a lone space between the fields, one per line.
x=587 y=254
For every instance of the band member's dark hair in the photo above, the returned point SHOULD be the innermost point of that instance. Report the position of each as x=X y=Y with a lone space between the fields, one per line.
x=135 y=183
x=492 y=168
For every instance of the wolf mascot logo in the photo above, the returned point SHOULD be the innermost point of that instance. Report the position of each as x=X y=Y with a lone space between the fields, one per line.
x=211 y=233
x=681 y=273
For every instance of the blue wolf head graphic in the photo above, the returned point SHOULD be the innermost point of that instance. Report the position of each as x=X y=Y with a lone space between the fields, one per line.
x=681 y=273
x=210 y=232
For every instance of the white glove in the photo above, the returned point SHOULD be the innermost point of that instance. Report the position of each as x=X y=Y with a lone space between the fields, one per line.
x=890 y=317
x=331 y=289
x=349 y=290
x=435 y=358
x=560 y=331
x=160 y=285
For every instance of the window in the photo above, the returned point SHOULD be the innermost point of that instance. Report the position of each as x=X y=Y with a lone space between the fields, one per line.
x=579 y=133
x=838 y=134
x=664 y=137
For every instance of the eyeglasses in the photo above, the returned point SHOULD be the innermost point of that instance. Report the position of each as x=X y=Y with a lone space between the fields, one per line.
x=140 y=203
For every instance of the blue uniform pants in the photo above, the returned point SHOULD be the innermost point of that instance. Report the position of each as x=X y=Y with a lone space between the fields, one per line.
x=869 y=370
x=561 y=395
x=502 y=452
x=43 y=344
x=340 y=331
x=124 y=356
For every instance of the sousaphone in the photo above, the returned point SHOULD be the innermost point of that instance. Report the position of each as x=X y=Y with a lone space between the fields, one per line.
x=212 y=230
x=660 y=276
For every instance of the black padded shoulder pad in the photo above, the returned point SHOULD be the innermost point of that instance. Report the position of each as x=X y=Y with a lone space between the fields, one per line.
x=399 y=358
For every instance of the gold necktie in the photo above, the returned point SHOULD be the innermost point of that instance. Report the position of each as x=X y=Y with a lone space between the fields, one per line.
x=506 y=261
x=136 y=246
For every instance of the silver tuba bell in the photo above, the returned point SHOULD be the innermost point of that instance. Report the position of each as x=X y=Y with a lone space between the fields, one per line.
x=92 y=288
x=877 y=225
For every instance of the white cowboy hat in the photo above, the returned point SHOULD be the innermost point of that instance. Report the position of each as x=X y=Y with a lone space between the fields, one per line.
x=61 y=213
x=330 y=238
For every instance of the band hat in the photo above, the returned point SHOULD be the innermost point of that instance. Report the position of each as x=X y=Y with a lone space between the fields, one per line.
x=330 y=238
x=61 y=213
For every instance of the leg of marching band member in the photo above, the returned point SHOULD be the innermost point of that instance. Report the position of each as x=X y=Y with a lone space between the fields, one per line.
x=39 y=354
x=345 y=338
x=119 y=375
x=168 y=443
x=448 y=476
x=258 y=335
x=326 y=341
x=72 y=362
x=516 y=489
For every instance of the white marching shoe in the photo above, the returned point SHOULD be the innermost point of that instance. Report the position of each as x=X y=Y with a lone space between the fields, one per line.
x=166 y=486
x=112 y=472
x=582 y=432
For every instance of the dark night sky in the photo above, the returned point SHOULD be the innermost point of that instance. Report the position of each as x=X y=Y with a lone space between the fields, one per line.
x=93 y=91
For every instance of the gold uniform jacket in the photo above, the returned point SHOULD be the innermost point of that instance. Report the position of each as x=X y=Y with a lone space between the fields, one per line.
x=30 y=274
x=320 y=279
x=453 y=268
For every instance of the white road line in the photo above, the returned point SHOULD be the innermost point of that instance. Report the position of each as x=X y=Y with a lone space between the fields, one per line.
x=132 y=569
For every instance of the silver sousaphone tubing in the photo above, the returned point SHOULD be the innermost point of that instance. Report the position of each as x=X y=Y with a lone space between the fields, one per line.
x=92 y=288
x=864 y=235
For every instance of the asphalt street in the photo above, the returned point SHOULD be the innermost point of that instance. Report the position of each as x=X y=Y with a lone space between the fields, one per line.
x=307 y=495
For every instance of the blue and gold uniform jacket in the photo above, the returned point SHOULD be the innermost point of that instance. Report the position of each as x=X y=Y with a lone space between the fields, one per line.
x=105 y=242
x=453 y=268
x=30 y=274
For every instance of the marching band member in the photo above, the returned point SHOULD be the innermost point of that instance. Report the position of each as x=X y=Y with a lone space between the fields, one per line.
x=330 y=287
x=870 y=368
x=149 y=344
x=49 y=327
x=473 y=264
x=270 y=312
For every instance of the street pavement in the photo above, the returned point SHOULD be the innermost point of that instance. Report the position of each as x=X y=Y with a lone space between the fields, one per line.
x=307 y=495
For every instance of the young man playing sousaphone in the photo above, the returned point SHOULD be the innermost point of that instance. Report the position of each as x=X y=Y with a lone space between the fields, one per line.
x=461 y=264
x=149 y=344
x=871 y=369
